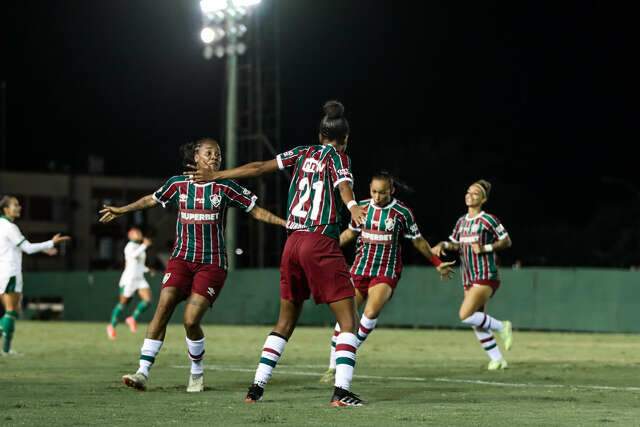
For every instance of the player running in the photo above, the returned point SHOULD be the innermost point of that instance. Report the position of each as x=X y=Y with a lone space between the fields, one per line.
x=477 y=236
x=312 y=263
x=377 y=266
x=132 y=281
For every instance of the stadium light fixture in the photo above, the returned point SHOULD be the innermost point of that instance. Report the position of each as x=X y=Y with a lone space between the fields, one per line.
x=223 y=25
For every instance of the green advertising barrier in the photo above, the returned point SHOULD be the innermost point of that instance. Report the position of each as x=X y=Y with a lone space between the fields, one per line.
x=543 y=299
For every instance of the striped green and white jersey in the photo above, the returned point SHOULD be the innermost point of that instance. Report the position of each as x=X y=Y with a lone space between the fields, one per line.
x=201 y=216
x=312 y=201
x=378 y=251
x=483 y=229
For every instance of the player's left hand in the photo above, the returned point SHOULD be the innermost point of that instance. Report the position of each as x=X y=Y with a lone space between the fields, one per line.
x=51 y=252
x=200 y=174
x=358 y=214
x=446 y=270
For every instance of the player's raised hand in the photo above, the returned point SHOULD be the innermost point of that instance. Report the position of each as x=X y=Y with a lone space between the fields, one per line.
x=445 y=270
x=59 y=238
x=109 y=213
x=146 y=241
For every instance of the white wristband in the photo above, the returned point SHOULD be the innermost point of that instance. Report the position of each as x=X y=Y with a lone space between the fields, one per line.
x=487 y=248
x=351 y=203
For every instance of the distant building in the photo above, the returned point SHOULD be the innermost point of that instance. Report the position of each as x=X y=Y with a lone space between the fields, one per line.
x=63 y=203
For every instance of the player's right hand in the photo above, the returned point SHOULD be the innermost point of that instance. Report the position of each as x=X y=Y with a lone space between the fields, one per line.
x=445 y=269
x=58 y=238
x=438 y=250
x=358 y=214
x=146 y=241
x=109 y=213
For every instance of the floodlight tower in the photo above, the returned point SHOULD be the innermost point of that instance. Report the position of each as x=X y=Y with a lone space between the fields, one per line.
x=222 y=32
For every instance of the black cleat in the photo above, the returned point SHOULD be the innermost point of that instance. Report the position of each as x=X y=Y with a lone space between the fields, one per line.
x=342 y=397
x=254 y=394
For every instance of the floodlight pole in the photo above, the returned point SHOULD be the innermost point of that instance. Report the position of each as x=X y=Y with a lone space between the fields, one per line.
x=231 y=136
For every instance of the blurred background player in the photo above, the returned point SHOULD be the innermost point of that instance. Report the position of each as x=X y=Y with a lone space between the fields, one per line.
x=477 y=236
x=132 y=280
x=198 y=266
x=377 y=265
x=12 y=244
x=312 y=262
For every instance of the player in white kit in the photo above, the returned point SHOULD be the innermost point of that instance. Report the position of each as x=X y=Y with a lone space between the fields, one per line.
x=12 y=244
x=132 y=280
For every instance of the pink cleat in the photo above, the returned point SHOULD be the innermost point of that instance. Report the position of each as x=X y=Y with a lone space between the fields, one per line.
x=111 y=332
x=133 y=325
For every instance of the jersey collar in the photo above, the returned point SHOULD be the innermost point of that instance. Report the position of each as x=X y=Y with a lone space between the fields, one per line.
x=6 y=217
x=390 y=204
x=468 y=218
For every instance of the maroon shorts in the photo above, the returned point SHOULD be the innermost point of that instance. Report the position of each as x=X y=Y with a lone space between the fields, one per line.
x=312 y=264
x=493 y=284
x=363 y=283
x=194 y=278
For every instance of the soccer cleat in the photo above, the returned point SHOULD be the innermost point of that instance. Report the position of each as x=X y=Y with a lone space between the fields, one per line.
x=196 y=383
x=10 y=353
x=111 y=332
x=342 y=397
x=328 y=377
x=137 y=381
x=506 y=335
x=494 y=365
x=133 y=325
x=254 y=394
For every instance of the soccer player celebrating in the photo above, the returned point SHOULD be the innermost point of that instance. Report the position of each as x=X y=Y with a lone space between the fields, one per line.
x=312 y=263
x=197 y=268
x=132 y=280
x=12 y=244
x=377 y=266
x=477 y=236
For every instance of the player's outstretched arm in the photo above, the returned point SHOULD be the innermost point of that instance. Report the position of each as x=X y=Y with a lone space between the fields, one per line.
x=46 y=247
x=264 y=215
x=249 y=170
x=347 y=236
x=109 y=213
x=445 y=269
x=358 y=214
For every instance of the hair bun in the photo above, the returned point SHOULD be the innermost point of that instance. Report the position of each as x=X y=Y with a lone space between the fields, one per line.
x=333 y=109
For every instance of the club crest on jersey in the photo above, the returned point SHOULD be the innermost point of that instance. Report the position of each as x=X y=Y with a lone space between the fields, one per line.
x=215 y=200
x=166 y=277
x=312 y=166
x=389 y=224
x=246 y=192
x=474 y=228
x=414 y=228
x=183 y=197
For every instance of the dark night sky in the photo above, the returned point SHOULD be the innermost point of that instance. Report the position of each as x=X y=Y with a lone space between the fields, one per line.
x=537 y=97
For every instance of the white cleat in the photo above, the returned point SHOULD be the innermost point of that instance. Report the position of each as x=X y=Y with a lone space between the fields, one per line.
x=495 y=365
x=137 y=381
x=196 y=383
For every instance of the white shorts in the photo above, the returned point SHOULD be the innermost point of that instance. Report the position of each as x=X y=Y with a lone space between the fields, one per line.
x=11 y=283
x=128 y=288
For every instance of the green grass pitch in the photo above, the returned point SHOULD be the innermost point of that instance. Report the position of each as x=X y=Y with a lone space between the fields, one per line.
x=69 y=374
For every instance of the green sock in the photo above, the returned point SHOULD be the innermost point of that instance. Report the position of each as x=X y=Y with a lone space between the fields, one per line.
x=117 y=311
x=140 y=308
x=8 y=326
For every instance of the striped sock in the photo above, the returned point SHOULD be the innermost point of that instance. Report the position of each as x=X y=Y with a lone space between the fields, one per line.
x=115 y=314
x=148 y=352
x=271 y=353
x=483 y=321
x=346 y=346
x=140 y=308
x=488 y=342
x=8 y=322
x=334 y=338
x=366 y=327
x=196 y=354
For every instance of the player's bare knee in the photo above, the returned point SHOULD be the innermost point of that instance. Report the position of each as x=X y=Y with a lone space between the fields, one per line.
x=463 y=314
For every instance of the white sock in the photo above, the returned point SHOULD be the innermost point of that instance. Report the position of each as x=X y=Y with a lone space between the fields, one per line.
x=271 y=353
x=488 y=343
x=346 y=346
x=148 y=353
x=334 y=338
x=196 y=354
x=483 y=321
x=366 y=327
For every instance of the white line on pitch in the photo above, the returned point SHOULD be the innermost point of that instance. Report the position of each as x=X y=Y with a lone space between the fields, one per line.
x=420 y=379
